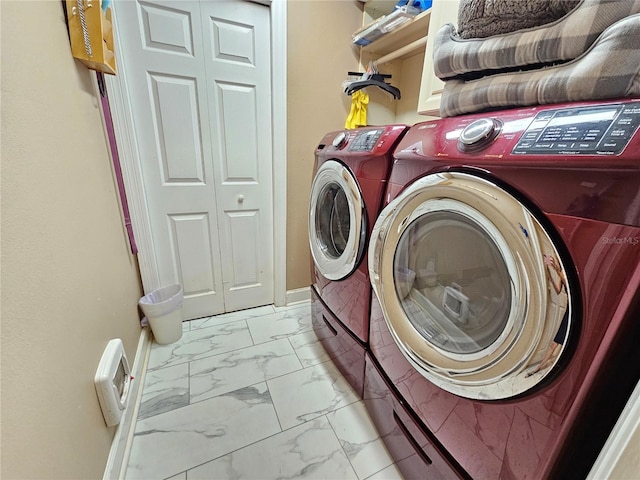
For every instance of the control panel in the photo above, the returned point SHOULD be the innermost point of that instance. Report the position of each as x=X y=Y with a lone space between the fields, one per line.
x=596 y=130
x=365 y=141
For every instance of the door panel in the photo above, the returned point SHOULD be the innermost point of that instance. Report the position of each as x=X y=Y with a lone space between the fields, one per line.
x=177 y=127
x=240 y=156
x=165 y=28
x=232 y=41
x=196 y=117
x=237 y=53
x=244 y=229
x=192 y=252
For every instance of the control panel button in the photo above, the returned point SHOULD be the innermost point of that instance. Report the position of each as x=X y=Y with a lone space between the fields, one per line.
x=340 y=140
x=477 y=135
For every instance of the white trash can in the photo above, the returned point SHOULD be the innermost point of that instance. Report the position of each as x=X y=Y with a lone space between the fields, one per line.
x=163 y=309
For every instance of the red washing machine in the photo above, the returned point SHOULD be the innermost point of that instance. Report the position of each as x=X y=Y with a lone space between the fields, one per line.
x=506 y=272
x=350 y=178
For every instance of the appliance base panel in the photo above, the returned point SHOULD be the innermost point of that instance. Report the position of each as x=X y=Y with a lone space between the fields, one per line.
x=412 y=451
x=343 y=349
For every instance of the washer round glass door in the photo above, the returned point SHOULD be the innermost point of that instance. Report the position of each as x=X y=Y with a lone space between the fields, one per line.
x=471 y=285
x=337 y=221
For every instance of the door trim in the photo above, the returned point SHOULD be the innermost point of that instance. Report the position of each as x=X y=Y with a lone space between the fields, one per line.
x=132 y=165
x=336 y=265
x=525 y=352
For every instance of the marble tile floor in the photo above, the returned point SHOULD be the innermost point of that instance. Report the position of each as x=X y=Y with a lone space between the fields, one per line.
x=252 y=395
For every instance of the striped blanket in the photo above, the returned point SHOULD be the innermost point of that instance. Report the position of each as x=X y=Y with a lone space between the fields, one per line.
x=608 y=68
x=563 y=40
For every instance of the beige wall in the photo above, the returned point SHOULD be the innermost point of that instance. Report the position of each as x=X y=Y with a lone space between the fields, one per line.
x=410 y=75
x=69 y=283
x=319 y=57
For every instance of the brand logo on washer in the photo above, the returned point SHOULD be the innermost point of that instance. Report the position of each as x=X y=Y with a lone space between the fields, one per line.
x=621 y=240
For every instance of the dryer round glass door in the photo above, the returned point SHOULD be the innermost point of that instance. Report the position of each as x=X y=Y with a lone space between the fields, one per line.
x=472 y=287
x=337 y=221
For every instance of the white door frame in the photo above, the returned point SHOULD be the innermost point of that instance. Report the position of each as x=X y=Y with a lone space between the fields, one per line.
x=132 y=165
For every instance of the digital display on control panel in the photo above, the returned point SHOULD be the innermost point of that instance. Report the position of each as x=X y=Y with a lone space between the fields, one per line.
x=365 y=141
x=601 y=130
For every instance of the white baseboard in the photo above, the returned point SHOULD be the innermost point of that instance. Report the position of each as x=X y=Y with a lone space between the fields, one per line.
x=298 y=295
x=618 y=452
x=121 y=445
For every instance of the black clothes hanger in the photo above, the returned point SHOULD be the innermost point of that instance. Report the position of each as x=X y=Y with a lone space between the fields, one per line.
x=372 y=80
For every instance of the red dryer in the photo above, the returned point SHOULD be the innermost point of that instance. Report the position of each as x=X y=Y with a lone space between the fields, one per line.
x=506 y=271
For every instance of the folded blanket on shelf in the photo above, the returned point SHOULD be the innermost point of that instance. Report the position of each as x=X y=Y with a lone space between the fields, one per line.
x=485 y=18
x=560 y=41
x=610 y=68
